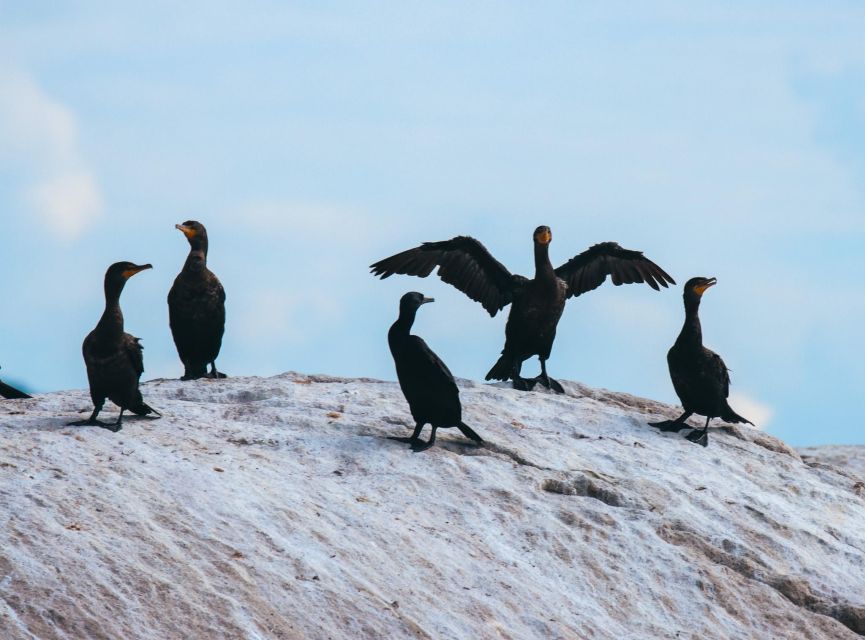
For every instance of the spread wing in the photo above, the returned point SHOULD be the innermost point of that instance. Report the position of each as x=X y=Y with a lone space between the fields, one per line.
x=462 y=262
x=589 y=269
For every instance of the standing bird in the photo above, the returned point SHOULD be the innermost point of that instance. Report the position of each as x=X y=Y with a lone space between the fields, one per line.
x=196 y=308
x=425 y=380
x=700 y=377
x=113 y=357
x=536 y=304
x=11 y=393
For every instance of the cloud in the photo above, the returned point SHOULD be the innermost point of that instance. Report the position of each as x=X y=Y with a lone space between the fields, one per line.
x=757 y=412
x=39 y=141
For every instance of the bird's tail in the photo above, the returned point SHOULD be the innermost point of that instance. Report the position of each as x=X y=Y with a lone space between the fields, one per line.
x=143 y=409
x=468 y=432
x=11 y=393
x=501 y=369
x=728 y=415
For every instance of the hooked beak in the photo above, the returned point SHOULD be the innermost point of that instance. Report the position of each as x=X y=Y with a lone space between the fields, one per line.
x=711 y=282
x=425 y=300
x=138 y=269
x=189 y=232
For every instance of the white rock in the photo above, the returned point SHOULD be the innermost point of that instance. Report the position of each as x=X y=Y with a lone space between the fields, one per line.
x=278 y=508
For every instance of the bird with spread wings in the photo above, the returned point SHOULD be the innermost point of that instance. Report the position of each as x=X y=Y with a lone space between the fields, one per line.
x=536 y=303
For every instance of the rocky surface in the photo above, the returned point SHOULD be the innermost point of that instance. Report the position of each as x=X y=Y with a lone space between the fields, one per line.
x=278 y=508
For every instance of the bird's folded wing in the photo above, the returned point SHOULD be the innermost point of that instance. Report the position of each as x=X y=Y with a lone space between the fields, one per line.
x=589 y=269
x=134 y=352
x=435 y=370
x=463 y=262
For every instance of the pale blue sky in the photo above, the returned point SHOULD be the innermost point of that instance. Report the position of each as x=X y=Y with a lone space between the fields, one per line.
x=723 y=139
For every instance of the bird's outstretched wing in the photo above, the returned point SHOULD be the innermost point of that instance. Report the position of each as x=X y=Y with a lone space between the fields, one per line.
x=463 y=262
x=589 y=269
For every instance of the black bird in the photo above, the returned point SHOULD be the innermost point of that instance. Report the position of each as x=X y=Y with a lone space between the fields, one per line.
x=196 y=308
x=425 y=380
x=537 y=304
x=11 y=393
x=113 y=357
x=700 y=377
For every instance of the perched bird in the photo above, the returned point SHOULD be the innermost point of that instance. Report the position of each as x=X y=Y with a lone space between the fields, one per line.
x=113 y=357
x=196 y=308
x=425 y=380
x=11 y=393
x=537 y=303
x=700 y=377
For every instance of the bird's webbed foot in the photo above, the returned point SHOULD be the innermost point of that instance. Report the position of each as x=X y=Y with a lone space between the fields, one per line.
x=93 y=422
x=669 y=425
x=403 y=439
x=191 y=376
x=549 y=383
x=523 y=384
x=420 y=445
x=214 y=374
x=699 y=436
x=89 y=422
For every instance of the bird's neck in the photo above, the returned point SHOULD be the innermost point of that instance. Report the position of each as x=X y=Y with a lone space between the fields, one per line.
x=198 y=243
x=111 y=322
x=402 y=327
x=543 y=267
x=196 y=261
x=692 y=332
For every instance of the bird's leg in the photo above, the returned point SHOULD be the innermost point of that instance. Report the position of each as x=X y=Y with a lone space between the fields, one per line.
x=546 y=380
x=423 y=446
x=91 y=421
x=214 y=373
x=698 y=436
x=414 y=436
x=117 y=426
x=673 y=425
x=194 y=371
x=521 y=384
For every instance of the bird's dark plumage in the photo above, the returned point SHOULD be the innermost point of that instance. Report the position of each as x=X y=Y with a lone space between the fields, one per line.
x=426 y=382
x=11 y=393
x=699 y=375
x=113 y=357
x=537 y=304
x=196 y=308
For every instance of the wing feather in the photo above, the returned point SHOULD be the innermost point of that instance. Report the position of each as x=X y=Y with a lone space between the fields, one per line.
x=462 y=262
x=589 y=269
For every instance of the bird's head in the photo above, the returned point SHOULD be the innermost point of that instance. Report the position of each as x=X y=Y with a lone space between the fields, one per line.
x=193 y=230
x=695 y=287
x=119 y=272
x=412 y=301
x=543 y=235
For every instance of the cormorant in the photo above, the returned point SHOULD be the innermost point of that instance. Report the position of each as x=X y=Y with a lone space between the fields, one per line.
x=536 y=304
x=700 y=377
x=11 y=393
x=425 y=380
x=113 y=357
x=196 y=308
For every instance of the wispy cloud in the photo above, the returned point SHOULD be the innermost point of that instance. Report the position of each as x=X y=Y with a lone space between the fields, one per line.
x=39 y=138
x=757 y=412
